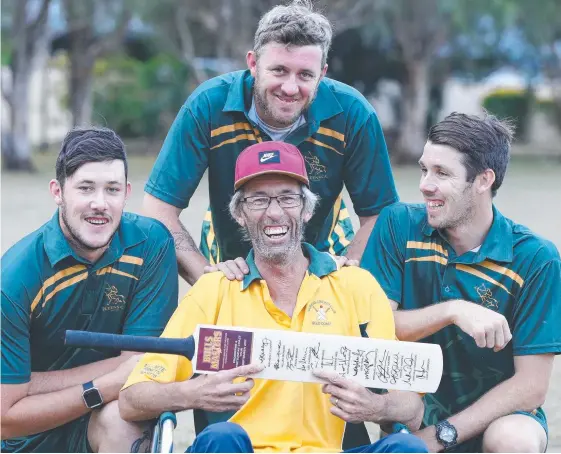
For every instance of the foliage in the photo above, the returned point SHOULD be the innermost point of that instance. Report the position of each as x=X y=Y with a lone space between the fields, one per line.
x=138 y=98
x=513 y=104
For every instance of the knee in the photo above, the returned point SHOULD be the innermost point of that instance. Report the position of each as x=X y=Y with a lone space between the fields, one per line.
x=402 y=442
x=496 y=439
x=225 y=431
x=107 y=419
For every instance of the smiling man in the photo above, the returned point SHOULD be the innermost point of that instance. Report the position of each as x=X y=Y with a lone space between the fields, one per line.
x=94 y=268
x=283 y=95
x=287 y=280
x=485 y=288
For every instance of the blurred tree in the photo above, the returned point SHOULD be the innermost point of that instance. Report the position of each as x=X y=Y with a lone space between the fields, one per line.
x=29 y=33
x=87 y=41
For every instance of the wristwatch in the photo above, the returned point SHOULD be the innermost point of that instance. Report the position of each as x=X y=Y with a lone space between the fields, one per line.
x=446 y=434
x=91 y=395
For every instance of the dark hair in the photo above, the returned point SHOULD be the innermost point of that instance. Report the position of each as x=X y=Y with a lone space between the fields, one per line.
x=84 y=145
x=483 y=141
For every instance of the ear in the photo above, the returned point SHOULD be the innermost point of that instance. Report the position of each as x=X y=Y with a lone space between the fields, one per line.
x=251 y=59
x=323 y=72
x=56 y=191
x=128 y=190
x=485 y=181
x=240 y=220
x=306 y=218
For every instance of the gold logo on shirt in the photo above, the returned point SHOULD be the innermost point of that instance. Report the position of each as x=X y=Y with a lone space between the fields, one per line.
x=486 y=297
x=317 y=171
x=115 y=302
x=322 y=309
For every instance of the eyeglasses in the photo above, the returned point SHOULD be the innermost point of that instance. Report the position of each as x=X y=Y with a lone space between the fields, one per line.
x=262 y=202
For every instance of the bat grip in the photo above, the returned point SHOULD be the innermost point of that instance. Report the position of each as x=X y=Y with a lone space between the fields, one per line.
x=88 y=339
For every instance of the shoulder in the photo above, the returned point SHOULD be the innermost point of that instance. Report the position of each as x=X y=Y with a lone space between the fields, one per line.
x=403 y=213
x=347 y=95
x=530 y=247
x=214 y=92
x=21 y=264
x=153 y=229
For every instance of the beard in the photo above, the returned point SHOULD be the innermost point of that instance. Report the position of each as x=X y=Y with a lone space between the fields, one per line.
x=76 y=240
x=463 y=214
x=279 y=254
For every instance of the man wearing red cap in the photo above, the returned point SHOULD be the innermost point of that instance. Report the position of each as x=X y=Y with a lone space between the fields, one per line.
x=290 y=286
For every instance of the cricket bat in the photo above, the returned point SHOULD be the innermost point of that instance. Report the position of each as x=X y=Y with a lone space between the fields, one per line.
x=289 y=355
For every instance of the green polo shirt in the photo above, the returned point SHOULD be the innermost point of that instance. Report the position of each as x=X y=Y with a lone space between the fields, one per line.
x=515 y=273
x=48 y=289
x=341 y=141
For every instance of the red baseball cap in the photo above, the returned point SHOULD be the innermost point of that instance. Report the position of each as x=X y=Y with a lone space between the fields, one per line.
x=270 y=157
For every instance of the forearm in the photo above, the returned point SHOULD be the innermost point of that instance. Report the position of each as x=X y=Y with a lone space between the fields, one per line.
x=190 y=261
x=514 y=394
x=52 y=381
x=412 y=325
x=404 y=407
x=357 y=246
x=41 y=412
x=147 y=400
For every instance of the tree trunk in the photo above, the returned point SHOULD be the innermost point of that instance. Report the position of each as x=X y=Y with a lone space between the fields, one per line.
x=17 y=149
x=81 y=81
x=414 y=108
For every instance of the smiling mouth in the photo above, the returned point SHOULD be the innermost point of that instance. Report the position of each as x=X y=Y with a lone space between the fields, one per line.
x=287 y=100
x=97 y=221
x=276 y=232
x=434 y=204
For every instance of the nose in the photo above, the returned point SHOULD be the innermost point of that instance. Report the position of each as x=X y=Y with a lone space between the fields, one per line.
x=99 y=202
x=290 y=87
x=274 y=210
x=427 y=186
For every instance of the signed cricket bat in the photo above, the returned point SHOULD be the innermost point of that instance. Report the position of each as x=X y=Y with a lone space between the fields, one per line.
x=289 y=355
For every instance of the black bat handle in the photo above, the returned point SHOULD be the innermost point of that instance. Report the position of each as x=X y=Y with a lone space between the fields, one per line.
x=88 y=339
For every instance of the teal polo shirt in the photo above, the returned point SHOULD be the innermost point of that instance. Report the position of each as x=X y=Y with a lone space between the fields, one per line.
x=515 y=273
x=341 y=141
x=48 y=289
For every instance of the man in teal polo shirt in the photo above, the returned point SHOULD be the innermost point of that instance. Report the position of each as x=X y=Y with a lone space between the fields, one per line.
x=485 y=288
x=283 y=96
x=94 y=268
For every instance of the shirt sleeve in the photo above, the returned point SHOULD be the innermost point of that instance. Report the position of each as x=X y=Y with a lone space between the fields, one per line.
x=368 y=174
x=163 y=368
x=384 y=255
x=183 y=158
x=16 y=357
x=156 y=295
x=537 y=313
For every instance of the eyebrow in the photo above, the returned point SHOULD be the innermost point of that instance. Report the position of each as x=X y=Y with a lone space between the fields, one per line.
x=94 y=182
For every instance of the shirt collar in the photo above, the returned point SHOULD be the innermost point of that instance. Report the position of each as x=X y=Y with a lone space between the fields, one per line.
x=324 y=106
x=497 y=245
x=321 y=264
x=58 y=248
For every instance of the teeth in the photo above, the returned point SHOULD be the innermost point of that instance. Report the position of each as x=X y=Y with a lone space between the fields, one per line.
x=97 y=221
x=276 y=230
x=435 y=204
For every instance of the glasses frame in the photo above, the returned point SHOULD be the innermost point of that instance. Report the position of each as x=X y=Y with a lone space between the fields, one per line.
x=276 y=197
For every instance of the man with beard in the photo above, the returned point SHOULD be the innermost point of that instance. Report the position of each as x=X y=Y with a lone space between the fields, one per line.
x=287 y=280
x=282 y=96
x=91 y=267
x=486 y=289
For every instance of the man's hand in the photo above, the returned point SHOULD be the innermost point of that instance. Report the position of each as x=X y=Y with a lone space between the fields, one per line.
x=232 y=269
x=352 y=402
x=487 y=327
x=218 y=392
x=345 y=261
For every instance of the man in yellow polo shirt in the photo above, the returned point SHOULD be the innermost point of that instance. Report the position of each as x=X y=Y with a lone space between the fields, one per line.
x=291 y=286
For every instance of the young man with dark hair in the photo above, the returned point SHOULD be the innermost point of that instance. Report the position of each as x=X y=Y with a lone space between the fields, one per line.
x=284 y=96
x=485 y=288
x=94 y=268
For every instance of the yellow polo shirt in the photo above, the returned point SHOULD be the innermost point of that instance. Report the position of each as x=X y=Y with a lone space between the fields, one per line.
x=280 y=415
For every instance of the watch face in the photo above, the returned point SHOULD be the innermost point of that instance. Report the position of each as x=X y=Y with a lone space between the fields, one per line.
x=92 y=398
x=447 y=434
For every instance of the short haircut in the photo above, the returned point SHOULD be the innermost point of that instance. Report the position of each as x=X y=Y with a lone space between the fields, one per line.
x=295 y=24
x=484 y=142
x=85 y=145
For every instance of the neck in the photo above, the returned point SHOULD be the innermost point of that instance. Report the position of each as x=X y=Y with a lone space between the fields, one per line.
x=470 y=235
